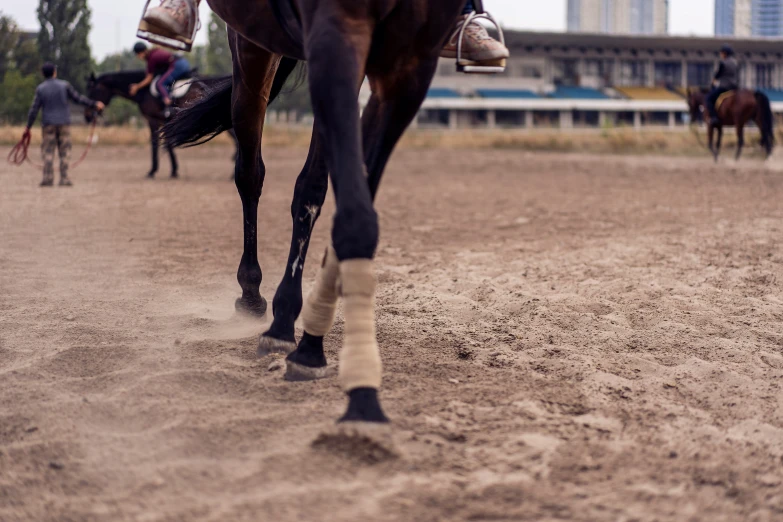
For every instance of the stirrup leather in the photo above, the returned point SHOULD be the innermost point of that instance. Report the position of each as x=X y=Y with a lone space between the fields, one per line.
x=470 y=67
x=170 y=40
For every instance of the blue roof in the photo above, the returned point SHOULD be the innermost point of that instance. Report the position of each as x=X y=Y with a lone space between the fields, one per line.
x=775 y=96
x=506 y=93
x=443 y=93
x=579 y=93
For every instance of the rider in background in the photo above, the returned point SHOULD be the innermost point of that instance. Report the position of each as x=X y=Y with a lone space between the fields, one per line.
x=726 y=79
x=177 y=19
x=168 y=67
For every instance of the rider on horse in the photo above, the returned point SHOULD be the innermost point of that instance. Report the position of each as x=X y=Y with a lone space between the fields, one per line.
x=726 y=79
x=167 y=67
x=177 y=19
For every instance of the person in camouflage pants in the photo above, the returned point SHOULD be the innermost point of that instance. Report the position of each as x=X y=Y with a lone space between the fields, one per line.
x=52 y=96
x=56 y=137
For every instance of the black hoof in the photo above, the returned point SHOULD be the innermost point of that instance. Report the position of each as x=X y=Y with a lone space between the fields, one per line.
x=255 y=307
x=363 y=406
x=307 y=362
x=174 y=175
x=151 y=175
x=268 y=345
x=295 y=372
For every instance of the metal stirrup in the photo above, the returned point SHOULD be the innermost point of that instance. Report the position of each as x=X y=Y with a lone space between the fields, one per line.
x=465 y=66
x=167 y=41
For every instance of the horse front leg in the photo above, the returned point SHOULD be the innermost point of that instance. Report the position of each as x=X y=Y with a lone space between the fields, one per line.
x=740 y=141
x=718 y=143
x=309 y=195
x=383 y=123
x=254 y=70
x=336 y=68
x=155 y=144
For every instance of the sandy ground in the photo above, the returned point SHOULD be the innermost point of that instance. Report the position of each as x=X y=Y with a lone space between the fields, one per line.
x=565 y=337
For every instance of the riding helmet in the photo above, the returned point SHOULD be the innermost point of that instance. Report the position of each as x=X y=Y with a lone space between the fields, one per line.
x=727 y=49
x=140 y=47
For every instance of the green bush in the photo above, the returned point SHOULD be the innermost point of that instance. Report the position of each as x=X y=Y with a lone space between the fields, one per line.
x=120 y=111
x=16 y=96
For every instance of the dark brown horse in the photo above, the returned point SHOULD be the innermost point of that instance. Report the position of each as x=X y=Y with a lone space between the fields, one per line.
x=106 y=86
x=736 y=108
x=395 y=43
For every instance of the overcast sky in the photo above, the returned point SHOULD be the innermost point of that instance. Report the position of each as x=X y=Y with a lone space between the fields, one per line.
x=114 y=21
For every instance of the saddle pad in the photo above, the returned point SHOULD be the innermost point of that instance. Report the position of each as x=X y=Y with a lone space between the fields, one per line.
x=723 y=97
x=178 y=90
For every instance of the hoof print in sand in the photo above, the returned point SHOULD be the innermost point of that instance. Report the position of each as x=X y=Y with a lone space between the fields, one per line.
x=298 y=372
x=270 y=345
x=365 y=442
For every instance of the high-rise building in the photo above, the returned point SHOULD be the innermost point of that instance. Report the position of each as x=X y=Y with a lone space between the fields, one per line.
x=618 y=16
x=767 y=18
x=745 y=18
x=724 y=17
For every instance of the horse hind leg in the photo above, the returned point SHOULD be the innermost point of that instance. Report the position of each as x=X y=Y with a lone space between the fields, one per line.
x=174 y=164
x=718 y=141
x=308 y=361
x=250 y=94
x=309 y=195
x=740 y=141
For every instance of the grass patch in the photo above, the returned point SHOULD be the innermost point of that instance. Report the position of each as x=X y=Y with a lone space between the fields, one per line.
x=681 y=142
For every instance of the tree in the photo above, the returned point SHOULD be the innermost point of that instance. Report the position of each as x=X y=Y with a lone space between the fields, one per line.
x=19 y=71
x=124 y=61
x=218 y=51
x=26 y=58
x=17 y=49
x=65 y=26
x=198 y=59
x=9 y=35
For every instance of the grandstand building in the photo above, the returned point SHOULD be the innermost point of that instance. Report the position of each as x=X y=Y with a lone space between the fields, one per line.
x=571 y=80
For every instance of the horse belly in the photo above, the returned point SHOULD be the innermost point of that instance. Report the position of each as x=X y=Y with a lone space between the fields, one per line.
x=256 y=22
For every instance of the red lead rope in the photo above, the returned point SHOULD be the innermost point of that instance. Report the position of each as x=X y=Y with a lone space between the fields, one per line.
x=18 y=154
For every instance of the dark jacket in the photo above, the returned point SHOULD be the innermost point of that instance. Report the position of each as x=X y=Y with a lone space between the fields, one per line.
x=52 y=96
x=727 y=74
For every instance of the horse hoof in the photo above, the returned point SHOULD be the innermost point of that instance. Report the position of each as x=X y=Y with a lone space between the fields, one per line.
x=151 y=175
x=174 y=175
x=366 y=442
x=255 y=308
x=269 y=345
x=296 y=372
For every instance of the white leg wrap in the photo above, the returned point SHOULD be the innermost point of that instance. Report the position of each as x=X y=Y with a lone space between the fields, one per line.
x=360 y=360
x=321 y=304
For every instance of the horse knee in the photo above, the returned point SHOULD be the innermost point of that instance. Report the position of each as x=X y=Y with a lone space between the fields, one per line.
x=355 y=234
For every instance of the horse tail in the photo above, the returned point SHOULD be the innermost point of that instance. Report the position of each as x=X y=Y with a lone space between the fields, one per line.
x=210 y=115
x=765 y=122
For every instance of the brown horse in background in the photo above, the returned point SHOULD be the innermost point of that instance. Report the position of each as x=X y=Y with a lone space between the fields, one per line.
x=735 y=108
x=105 y=87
